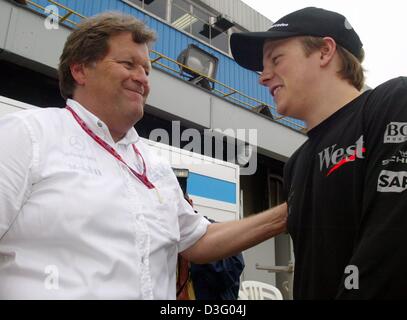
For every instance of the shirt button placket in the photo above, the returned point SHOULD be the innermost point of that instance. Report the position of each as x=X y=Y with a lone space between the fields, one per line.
x=143 y=247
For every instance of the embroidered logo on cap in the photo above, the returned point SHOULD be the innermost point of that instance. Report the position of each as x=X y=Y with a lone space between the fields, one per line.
x=348 y=25
x=278 y=25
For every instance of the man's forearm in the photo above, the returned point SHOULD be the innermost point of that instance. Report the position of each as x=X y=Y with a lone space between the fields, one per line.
x=229 y=238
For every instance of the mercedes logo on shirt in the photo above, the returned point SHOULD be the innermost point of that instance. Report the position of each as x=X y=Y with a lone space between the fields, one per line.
x=77 y=143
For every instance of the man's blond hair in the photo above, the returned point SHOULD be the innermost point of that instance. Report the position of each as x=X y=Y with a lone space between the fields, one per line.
x=351 y=68
x=89 y=43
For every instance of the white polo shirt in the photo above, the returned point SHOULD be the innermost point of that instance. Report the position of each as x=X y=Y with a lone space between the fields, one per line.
x=75 y=223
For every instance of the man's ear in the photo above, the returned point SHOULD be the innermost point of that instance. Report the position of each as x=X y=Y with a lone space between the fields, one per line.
x=327 y=51
x=78 y=71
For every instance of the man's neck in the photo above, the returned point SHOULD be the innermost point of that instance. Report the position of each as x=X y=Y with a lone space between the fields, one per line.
x=103 y=114
x=332 y=99
x=117 y=136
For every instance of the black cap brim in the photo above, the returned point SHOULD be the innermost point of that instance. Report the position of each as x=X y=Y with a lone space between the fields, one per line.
x=247 y=47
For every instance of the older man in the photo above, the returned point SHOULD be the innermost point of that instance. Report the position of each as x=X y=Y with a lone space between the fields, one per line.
x=86 y=211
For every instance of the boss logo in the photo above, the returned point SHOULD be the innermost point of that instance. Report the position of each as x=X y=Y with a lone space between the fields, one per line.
x=396 y=132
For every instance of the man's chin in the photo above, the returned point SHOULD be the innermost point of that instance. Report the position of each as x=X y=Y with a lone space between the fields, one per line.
x=137 y=113
x=281 y=109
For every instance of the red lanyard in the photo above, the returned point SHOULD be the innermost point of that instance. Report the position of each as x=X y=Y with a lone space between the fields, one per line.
x=142 y=177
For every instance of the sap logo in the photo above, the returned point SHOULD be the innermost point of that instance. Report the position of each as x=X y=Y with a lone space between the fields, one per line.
x=390 y=181
x=396 y=132
x=333 y=158
x=401 y=157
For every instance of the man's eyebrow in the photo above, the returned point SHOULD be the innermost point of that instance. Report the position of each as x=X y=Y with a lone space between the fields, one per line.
x=268 y=52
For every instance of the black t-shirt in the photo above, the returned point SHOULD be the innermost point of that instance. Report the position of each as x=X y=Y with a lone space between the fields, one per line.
x=346 y=192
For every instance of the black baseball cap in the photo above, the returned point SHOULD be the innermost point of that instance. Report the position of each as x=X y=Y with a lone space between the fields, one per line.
x=247 y=47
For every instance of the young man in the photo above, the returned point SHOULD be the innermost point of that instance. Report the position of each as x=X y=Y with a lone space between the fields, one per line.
x=86 y=211
x=346 y=185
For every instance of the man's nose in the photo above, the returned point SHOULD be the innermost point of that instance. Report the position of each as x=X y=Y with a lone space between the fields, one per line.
x=265 y=76
x=139 y=74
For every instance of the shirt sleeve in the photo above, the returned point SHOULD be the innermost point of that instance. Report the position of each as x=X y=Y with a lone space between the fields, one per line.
x=377 y=266
x=16 y=159
x=192 y=225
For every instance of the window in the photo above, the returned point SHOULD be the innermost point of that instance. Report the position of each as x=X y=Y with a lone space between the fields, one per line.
x=186 y=6
x=181 y=17
x=156 y=7
x=221 y=41
x=186 y=16
x=199 y=23
x=138 y=3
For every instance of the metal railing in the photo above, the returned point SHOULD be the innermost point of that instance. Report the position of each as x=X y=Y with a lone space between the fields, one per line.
x=174 y=67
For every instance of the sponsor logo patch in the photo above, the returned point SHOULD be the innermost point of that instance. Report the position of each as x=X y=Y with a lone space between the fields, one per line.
x=400 y=157
x=396 y=132
x=333 y=158
x=390 y=181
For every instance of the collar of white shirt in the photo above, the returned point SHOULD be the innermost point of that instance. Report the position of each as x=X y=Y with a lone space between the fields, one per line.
x=99 y=127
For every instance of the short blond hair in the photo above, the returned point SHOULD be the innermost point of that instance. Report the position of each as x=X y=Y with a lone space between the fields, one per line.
x=89 y=43
x=351 y=69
